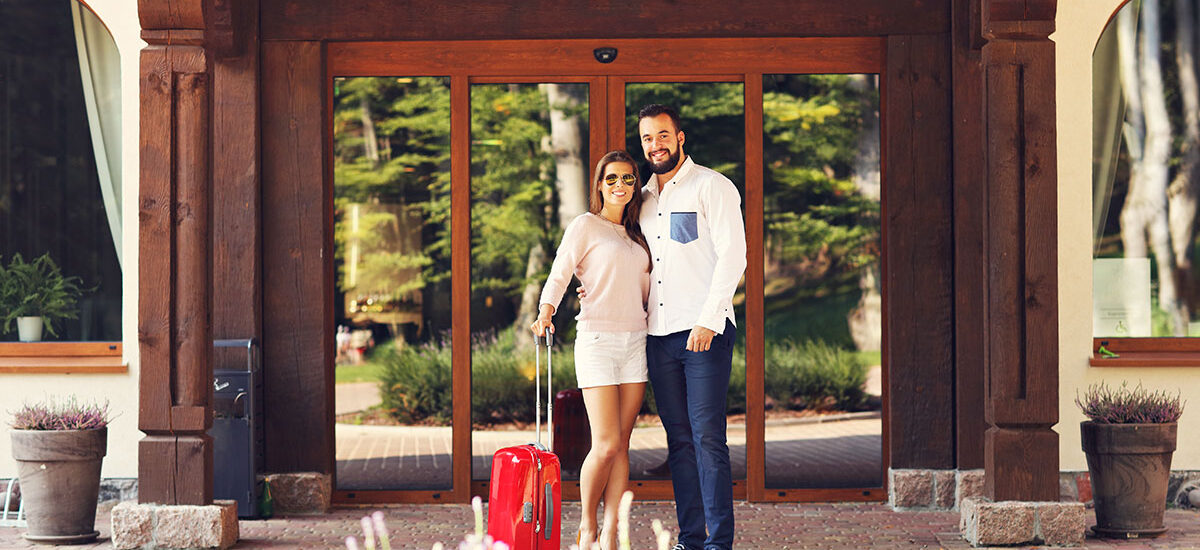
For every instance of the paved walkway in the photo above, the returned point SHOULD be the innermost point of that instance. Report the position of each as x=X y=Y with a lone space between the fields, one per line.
x=760 y=526
x=800 y=454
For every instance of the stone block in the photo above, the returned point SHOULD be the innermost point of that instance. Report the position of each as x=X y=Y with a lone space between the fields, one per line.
x=911 y=488
x=1188 y=494
x=196 y=526
x=301 y=493
x=118 y=489
x=1061 y=523
x=1068 y=490
x=945 y=486
x=986 y=523
x=970 y=484
x=155 y=526
x=132 y=525
x=1180 y=484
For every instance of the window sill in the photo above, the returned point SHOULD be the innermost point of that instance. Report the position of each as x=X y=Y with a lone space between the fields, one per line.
x=1148 y=359
x=61 y=358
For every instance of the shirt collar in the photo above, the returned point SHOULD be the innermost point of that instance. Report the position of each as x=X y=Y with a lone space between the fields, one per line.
x=684 y=170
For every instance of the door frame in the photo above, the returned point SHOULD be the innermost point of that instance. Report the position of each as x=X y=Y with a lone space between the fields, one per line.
x=743 y=60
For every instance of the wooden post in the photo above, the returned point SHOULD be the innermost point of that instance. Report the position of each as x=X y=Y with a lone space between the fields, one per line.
x=175 y=461
x=1020 y=247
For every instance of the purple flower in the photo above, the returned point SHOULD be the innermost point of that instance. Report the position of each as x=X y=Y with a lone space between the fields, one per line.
x=68 y=414
x=1123 y=405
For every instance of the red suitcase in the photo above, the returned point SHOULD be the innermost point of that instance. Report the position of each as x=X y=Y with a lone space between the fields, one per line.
x=525 y=502
x=572 y=431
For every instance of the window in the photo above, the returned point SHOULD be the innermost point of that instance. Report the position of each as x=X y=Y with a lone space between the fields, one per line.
x=1146 y=181
x=60 y=172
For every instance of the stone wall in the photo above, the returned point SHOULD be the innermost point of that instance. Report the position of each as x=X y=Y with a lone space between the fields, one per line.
x=920 y=489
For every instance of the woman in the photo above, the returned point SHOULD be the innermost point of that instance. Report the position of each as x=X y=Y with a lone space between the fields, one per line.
x=605 y=248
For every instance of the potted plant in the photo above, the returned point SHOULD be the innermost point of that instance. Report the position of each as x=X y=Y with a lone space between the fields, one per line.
x=1129 y=438
x=59 y=448
x=35 y=295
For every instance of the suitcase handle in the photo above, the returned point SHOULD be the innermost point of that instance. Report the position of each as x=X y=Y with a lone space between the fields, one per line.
x=537 y=377
x=549 y=510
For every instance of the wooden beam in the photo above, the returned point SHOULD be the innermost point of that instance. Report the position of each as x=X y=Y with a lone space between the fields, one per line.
x=755 y=277
x=355 y=20
x=460 y=283
x=969 y=309
x=650 y=59
x=237 y=191
x=1020 y=243
x=918 y=251
x=297 y=304
x=175 y=270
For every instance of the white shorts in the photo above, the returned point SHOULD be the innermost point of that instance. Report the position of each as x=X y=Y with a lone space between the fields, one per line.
x=610 y=358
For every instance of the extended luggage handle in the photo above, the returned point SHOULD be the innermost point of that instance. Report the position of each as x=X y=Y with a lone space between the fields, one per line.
x=548 y=340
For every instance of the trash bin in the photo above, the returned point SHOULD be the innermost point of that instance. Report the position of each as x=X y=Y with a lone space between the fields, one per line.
x=237 y=430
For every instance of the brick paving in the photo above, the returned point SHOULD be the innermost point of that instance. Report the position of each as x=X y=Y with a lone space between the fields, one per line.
x=760 y=526
x=800 y=454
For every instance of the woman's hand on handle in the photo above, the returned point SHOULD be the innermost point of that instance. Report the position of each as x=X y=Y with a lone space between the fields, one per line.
x=543 y=322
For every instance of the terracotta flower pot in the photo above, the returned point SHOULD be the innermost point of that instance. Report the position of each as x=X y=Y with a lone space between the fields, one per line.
x=1130 y=466
x=60 y=482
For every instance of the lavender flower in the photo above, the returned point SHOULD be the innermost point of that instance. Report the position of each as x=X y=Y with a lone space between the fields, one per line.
x=1105 y=405
x=381 y=530
x=368 y=533
x=68 y=414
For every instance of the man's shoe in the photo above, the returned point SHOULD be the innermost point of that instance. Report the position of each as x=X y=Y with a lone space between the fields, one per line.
x=662 y=470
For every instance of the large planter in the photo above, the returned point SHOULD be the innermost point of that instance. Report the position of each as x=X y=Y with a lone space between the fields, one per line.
x=1130 y=466
x=60 y=482
x=29 y=329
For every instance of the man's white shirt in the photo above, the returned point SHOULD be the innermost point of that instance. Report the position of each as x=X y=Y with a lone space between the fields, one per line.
x=698 y=248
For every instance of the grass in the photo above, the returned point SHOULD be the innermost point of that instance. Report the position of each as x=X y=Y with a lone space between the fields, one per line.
x=366 y=372
x=870 y=358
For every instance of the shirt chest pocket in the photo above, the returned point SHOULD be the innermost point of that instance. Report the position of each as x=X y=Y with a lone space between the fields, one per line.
x=683 y=227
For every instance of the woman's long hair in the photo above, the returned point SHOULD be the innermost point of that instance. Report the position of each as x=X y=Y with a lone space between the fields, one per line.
x=633 y=208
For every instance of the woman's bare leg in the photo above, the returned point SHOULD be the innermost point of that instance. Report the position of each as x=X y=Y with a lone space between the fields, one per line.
x=629 y=403
x=603 y=412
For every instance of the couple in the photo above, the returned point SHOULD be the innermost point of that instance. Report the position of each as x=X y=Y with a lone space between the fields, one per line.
x=660 y=265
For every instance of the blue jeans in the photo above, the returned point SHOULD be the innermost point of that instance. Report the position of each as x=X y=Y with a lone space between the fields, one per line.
x=689 y=389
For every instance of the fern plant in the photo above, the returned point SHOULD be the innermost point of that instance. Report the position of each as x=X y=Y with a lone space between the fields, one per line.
x=37 y=289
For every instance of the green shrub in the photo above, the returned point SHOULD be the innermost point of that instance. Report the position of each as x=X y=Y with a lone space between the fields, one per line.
x=415 y=383
x=815 y=375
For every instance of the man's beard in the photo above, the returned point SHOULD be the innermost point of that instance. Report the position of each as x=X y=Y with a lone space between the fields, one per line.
x=666 y=165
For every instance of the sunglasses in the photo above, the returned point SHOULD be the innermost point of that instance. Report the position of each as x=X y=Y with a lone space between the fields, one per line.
x=627 y=179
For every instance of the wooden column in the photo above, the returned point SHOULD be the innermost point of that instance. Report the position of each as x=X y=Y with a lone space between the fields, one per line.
x=237 y=192
x=918 y=252
x=969 y=269
x=1020 y=247
x=175 y=461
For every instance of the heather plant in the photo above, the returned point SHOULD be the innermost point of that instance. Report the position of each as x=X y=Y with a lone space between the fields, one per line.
x=68 y=414
x=1105 y=405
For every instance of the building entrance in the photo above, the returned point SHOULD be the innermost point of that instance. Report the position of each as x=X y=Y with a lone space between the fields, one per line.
x=457 y=165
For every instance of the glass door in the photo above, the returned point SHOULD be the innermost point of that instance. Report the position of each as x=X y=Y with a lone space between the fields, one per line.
x=391 y=188
x=530 y=166
x=501 y=151
x=713 y=117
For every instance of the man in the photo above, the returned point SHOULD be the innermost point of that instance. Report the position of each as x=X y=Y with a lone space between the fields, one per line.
x=692 y=220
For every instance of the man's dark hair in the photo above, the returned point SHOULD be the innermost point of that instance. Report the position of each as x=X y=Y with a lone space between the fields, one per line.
x=655 y=109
